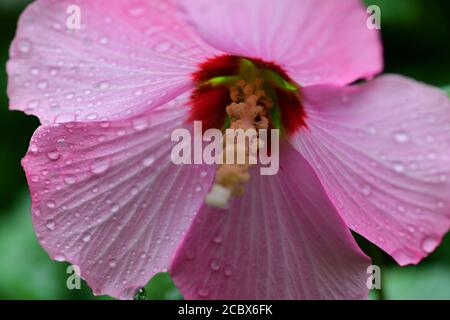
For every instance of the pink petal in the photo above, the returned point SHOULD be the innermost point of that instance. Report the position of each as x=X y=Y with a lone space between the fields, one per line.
x=382 y=153
x=282 y=240
x=127 y=57
x=317 y=42
x=106 y=197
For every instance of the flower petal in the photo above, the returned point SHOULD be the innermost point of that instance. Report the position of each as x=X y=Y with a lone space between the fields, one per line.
x=381 y=150
x=106 y=197
x=317 y=42
x=282 y=240
x=128 y=56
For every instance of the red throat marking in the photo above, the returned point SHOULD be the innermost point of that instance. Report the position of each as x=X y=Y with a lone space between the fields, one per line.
x=208 y=102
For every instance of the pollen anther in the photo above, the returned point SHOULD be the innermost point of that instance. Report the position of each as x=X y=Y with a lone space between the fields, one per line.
x=249 y=110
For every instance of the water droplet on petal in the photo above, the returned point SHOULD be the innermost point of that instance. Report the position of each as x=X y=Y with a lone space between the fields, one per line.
x=34 y=71
x=104 y=40
x=401 y=137
x=50 y=224
x=24 y=46
x=114 y=208
x=51 y=204
x=53 y=155
x=134 y=191
x=92 y=116
x=86 y=237
x=429 y=244
x=65 y=117
x=203 y=292
x=399 y=167
x=104 y=85
x=198 y=188
x=228 y=271
x=218 y=240
x=34 y=148
x=60 y=258
x=147 y=162
x=42 y=84
x=100 y=166
x=215 y=265
x=112 y=263
x=70 y=179
x=140 y=124
x=121 y=132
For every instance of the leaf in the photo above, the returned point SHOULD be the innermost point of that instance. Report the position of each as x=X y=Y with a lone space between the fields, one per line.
x=161 y=287
x=417 y=282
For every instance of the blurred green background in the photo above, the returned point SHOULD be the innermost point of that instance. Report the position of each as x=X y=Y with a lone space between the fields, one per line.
x=416 y=36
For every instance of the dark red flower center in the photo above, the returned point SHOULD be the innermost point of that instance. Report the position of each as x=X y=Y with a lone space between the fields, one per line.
x=217 y=75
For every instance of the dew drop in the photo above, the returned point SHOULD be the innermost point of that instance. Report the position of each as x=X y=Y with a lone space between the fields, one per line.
x=53 y=155
x=24 y=46
x=401 y=137
x=399 y=167
x=33 y=104
x=429 y=244
x=228 y=271
x=86 y=237
x=34 y=71
x=121 y=132
x=134 y=191
x=140 y=124
x=105 y=124
x=92 y=116
x=215 y=265
x=103 y=85
x=112 y=263
x=203 y=292
x=70 y=179
x=50 y=224
x=65 y=117
x=42 y=84
x=104 y=40
x=51 y=204
x=218 y=240
x=100 y=166
x=114 y=208
x=147 y=162
x=60 y=258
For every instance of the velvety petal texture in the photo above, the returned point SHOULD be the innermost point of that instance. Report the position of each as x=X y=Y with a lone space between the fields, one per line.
x=317 y=42
x=382 y=152
x=127 y=56
x=282 y=240
x=106 y=197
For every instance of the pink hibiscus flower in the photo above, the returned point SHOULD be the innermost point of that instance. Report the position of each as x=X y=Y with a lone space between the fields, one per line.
x=372 y=157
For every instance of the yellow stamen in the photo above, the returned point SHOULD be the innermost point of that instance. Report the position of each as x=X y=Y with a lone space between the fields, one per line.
x=248 y=111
